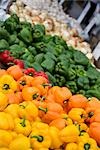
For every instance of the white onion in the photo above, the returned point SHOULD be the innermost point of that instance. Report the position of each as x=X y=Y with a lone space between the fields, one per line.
x=14 y=9
x=65 y=35
x=43 y=15
x=89 y=55
x=83 y=50
x=36 y=19
x=22 y=19
x=35 y=12
x=19 y=3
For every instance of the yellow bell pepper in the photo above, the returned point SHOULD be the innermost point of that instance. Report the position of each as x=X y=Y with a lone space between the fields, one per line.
x=69 y=134
x=83 y=130
x=28 y=110
x=4 y=148
x=7 y=84
x=83 y=135
x=5 y=138
x=12 y=109
x=40 y=126
x=55 y=140
x=38 y=119
x=71 y=146
x=40 y=139
x=43 y=149
x=82 y=126
x=22 y=126
x=87 y=144
x=14 y=134
x=6 y=121
x=77 y=115
x=66 y=117
x=20 y=143
x=3 y=101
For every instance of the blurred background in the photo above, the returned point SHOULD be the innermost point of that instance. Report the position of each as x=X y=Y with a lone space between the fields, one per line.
x=87 y=13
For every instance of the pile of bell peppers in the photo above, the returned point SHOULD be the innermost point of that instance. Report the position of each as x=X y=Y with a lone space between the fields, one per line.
x=34 y=115
x=64 y=65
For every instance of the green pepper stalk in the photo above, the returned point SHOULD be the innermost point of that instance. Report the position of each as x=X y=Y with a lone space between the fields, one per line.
x=38 y=137
x=60 y=80
x=23 y=122
x=45 y=110
x=61 y=68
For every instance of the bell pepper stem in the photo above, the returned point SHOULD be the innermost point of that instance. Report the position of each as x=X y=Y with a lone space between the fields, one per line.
x=43 y=98
x=43 y=109
x=90 y=114
x=65 y=118
x=22 y=106
x=83 y=116
x=31 y=74
x=35 y=96
x=65 y=101
x=23 y=122
x=38 y=137
x=6 y=86
x=23 y=82
x=44 y=85
x=86 y=146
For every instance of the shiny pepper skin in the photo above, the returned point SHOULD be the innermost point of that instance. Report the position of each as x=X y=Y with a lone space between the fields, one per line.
x=40 y=139
x=54 y=134
x=7 y=84
x=3 y=101
x=69 y=134
x=4 y=148
x=71 y=146
x=77 y=115
x=5 y=138
x=38 y=125
x=6 y=121
x=22 y=126
x=20 y=143
x=28 y=110
x=12 y=109
x=87 y=144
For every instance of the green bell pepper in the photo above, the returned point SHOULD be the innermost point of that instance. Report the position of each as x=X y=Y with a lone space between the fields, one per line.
x=3 y=45
x=39 y=58
x=48 y=65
